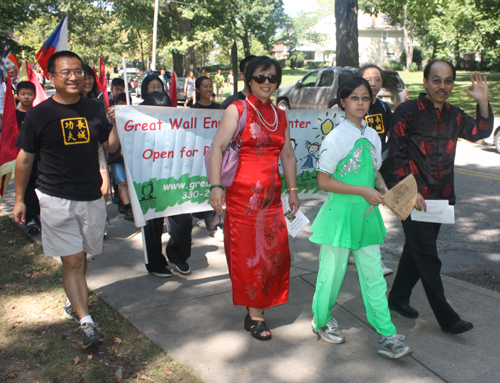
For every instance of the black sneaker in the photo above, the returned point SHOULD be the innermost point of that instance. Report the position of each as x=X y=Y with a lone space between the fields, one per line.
x=165 y=273
x=70 y=313
x=183 y=268
x=129 y=215
x=121 y=209
x=33 y=227
x=91 y=335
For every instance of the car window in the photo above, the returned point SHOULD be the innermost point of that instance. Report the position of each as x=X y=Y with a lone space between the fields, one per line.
x=326 y=78
x=343 y=74
x=310 y=79
x=392 y=81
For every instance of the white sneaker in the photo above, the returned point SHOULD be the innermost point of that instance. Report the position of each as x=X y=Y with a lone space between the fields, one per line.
x=201 y=223
x=351 y=260
x=219 y=235
x=330 y=333
x=385 y=269
x=393 y=347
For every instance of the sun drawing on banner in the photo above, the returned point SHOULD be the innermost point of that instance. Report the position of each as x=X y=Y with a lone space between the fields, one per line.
x=327 y=125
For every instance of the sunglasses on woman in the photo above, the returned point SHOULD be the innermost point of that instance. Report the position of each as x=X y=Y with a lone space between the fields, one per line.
x=261 y=79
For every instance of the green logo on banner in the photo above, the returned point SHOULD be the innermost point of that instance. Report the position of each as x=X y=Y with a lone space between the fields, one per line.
x=163 y=193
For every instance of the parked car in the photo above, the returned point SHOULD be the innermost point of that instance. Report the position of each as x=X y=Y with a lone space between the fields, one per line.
x=496 y=139
x=130 y=72
x=318 y=89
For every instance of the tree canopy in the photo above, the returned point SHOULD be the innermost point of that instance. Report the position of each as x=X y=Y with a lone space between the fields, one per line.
x=115 y=28
x=190 y=31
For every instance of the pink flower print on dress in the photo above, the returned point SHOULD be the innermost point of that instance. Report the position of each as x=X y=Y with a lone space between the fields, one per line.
x=263 y=141
x=252 y=290
x=276 y=259
x=255 y=201
x=255 y=130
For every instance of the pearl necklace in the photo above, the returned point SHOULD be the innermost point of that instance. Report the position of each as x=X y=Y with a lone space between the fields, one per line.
x=263 y=120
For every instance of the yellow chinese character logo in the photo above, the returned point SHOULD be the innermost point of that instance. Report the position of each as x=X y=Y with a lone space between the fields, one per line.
x=376 y=122
x=75 y=131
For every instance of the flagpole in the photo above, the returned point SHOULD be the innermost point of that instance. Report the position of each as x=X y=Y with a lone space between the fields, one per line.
x=155 y=27
x=125 y=79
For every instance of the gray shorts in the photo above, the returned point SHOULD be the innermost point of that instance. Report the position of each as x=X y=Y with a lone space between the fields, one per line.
x=70 y=227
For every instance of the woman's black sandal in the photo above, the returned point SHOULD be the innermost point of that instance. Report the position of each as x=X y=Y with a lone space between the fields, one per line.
x=256 y=328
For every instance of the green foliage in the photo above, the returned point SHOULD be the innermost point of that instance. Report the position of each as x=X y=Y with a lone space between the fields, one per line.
x=461 y=26
x=394 y=65
x=448 y=29
x=12 y=14
x=296 y=60
x=315 y=64
x=417 y=58
x=413 y=67
x=300 y=31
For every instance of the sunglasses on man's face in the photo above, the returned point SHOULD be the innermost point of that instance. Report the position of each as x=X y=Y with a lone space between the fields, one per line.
x=261 y=79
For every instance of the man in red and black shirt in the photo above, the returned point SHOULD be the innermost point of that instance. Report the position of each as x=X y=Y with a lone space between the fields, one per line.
x=424 y=136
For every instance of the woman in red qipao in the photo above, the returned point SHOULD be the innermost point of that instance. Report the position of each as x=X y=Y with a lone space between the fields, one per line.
x=256 y=237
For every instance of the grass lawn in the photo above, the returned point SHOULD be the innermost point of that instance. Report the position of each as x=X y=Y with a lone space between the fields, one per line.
x=38 y=345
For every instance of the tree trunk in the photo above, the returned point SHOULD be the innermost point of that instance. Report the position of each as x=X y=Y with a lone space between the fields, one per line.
x=246 y=44
x=177 y=58
x=139 y=33
x=188 y=62
x=346 y=17
x=189 y=58
x=408 y=37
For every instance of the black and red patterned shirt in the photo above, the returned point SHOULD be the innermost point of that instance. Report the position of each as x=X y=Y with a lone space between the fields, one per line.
x=428 y=151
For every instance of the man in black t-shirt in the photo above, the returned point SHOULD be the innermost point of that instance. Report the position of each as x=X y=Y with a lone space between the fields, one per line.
x=65 y=130
x=379 y=115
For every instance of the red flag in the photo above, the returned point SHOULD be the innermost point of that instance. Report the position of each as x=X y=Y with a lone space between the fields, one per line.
x=8 y=149
x=173 y=89
x=96 y=77
x=102 y=83
x=40 y=92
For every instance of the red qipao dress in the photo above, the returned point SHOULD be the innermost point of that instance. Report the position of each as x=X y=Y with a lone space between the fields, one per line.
x=255 y=233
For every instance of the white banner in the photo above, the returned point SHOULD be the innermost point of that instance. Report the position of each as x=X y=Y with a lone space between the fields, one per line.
x=164 y=152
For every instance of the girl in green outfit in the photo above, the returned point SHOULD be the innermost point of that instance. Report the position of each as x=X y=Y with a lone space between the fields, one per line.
x=350 y=220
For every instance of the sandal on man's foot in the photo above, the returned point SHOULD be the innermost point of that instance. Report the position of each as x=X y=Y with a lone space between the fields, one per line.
x=256 y=328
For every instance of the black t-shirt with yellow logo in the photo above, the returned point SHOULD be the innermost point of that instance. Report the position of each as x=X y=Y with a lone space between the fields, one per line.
x=379 y=118
x=66 y=137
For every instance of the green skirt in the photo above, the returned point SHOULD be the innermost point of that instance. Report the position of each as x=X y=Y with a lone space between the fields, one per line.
x=341 y=223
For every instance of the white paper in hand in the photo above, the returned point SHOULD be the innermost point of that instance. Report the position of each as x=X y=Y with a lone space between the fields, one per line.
x=293 y=224
x=438 y=211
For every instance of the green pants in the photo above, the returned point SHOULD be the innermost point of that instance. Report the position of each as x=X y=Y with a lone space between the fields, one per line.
x=332 y=268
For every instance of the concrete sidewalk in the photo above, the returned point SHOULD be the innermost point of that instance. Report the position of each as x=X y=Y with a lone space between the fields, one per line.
x=193 y=317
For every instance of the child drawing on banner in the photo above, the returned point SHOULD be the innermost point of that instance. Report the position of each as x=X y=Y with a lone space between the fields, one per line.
x=312 y=148
x=350 y=220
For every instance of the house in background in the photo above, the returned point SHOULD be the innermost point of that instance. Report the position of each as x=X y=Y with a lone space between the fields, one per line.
x=379 y=42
